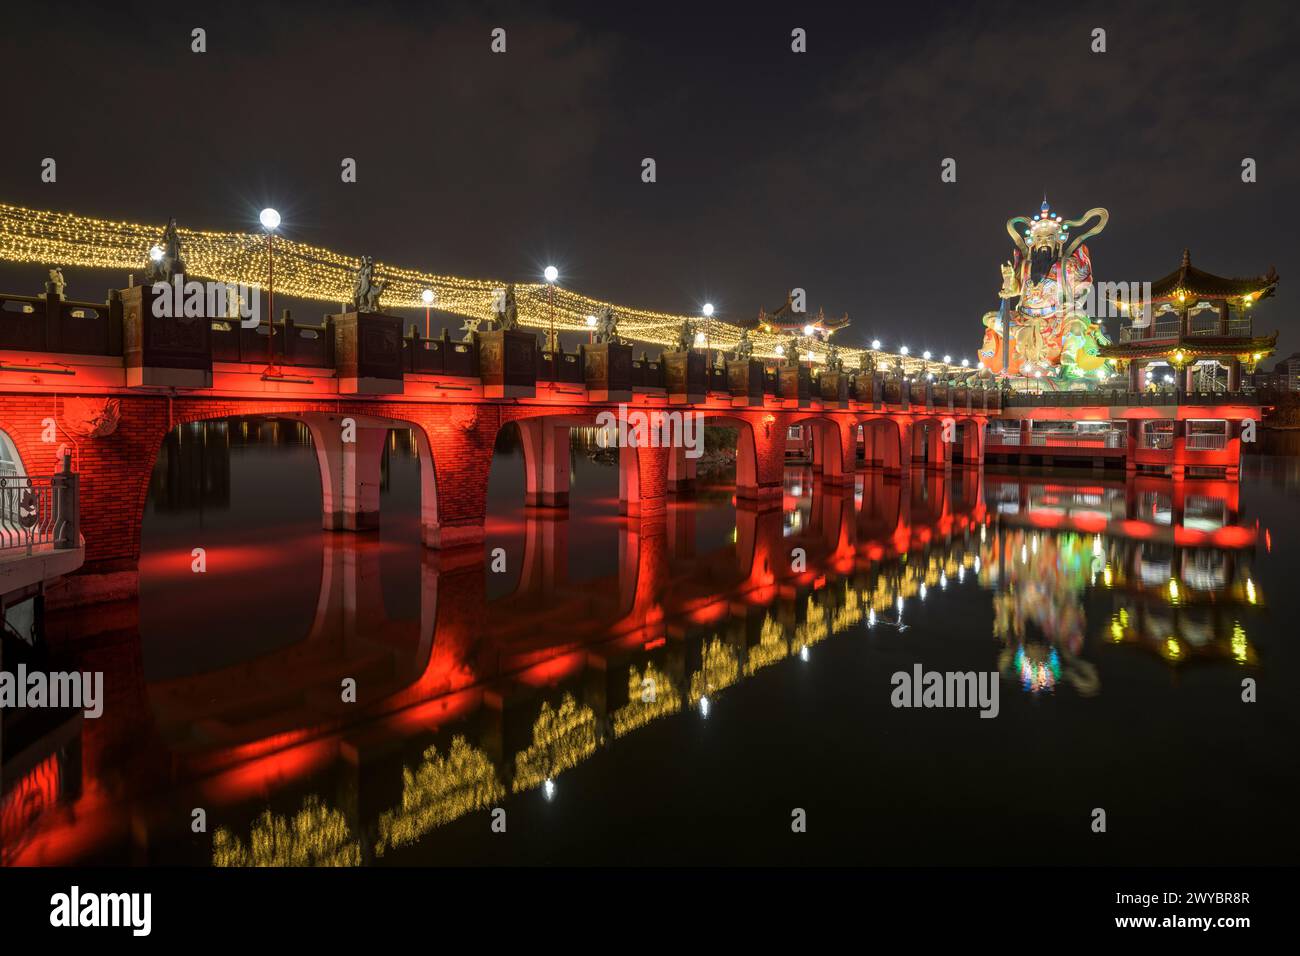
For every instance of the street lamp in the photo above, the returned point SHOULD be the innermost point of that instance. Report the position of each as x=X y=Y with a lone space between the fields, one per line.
x=270 y=220
x=427 y=298
x=591 y=324
x=550 y=273
x=902 y=350
x=947 y=360
x=708 y=334
x=875 y=343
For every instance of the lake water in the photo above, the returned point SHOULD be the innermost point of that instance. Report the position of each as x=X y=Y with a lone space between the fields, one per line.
x=682 y=693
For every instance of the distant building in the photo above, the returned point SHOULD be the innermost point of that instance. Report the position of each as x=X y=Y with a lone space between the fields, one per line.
x=1286 y=374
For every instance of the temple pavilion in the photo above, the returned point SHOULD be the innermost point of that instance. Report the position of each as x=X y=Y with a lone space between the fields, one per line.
x=1192 y=320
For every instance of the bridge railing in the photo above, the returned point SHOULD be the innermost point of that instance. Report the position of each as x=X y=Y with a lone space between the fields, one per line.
x=48 y=323
x=38 y=511
x=1123 y=397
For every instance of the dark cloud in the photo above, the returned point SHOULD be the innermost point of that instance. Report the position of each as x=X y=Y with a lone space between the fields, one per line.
x=775 y=170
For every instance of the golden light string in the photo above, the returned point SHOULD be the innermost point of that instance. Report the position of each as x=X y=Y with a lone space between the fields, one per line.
x=318 y=274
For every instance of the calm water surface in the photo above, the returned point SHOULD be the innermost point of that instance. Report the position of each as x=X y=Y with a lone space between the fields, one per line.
x=1120 y=617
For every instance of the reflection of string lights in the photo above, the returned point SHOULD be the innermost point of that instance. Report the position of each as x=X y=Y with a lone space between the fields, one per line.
x=649 y=697
x=719 y=669
x=562 y=738
x=316 y=836
x=440 y=790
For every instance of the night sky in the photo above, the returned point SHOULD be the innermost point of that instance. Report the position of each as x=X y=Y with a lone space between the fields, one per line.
x=775 y=169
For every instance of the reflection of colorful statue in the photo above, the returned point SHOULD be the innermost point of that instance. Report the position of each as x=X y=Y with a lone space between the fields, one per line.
x=1043 y=327
x=1040 y=616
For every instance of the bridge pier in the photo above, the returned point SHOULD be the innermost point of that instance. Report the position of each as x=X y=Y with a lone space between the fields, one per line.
x=546 y=462
x=681 y=472
x=760 y=461
x=349 y=451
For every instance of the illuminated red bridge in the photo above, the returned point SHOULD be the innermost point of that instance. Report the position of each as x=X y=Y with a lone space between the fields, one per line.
x=105 y=382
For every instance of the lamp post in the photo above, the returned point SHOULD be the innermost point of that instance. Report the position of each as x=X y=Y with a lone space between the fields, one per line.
x=550 y=274
x=708 y=334
x=270 y=220
x=427 y=298
x=591 y=324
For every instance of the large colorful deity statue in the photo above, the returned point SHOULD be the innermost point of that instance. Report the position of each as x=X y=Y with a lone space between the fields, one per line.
x=1046 y=292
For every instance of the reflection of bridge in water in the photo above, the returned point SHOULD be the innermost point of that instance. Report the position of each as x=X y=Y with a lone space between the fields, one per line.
x=487 y=697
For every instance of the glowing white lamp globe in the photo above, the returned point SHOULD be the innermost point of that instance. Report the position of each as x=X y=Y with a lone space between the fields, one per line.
x=591 y=321
x=156 y=254
x=269 y=218
x=708 y=308
x=551 y=273
x=875 y=343
x=427 y=296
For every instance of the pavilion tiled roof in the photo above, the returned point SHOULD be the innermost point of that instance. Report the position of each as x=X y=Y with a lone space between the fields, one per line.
x=1196 y=283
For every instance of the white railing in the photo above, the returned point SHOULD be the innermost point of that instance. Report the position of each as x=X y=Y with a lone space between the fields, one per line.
x=37 y=511
x=1210 y=442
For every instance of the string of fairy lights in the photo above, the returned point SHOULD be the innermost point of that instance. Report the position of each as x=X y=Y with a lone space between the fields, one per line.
x=310 y=272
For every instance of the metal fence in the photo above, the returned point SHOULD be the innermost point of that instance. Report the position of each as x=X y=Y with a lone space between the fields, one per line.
x=1208 y=442
x=40 y=511
x=1019 y=399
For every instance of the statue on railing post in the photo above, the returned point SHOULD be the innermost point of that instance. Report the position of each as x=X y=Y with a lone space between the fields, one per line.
x=366 y=291
x=505 y=309
x=607 y=326
x=833 y=361
x=469 y=327
x=55 y=285
x=169 y=263
x=686 y=336
x=792 y=350
x=744 y=348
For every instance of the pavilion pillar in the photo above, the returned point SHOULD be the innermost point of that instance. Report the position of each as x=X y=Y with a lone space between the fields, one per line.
x=1234 y=374
x=1223 y=317
x=1134 y=376
x=1184 y=321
